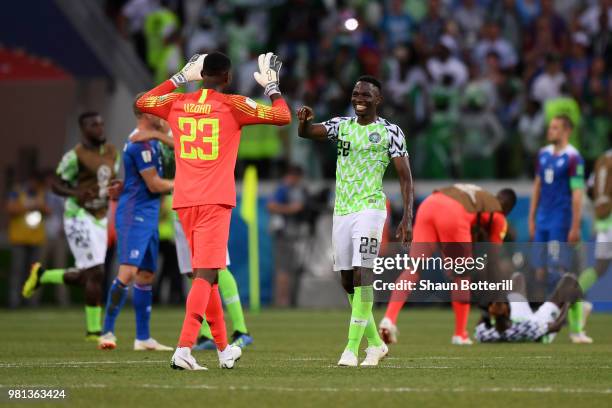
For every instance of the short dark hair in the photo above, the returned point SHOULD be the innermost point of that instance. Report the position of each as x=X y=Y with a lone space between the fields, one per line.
x=135 y=108
x=372 y=80
x=507 y=197
x=567 y=121
x=216 y=63
x=86 y=115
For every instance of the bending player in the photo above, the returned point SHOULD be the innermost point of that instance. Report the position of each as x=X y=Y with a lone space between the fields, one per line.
x=448 y=217
x=83 y=177
x=514 y=321
x=366 y=144
x=206 y=125
x=137 y=234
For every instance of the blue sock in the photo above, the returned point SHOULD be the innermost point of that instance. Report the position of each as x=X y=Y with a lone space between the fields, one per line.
x=114 y=302
x=143 y=299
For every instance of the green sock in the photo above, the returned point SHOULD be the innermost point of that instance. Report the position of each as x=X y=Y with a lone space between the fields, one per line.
x=231 y=299
x=205 y=329
x=53 y=276
x=575 y=317
x=92 y=318
x=371 y=332
x=587 y=279
x=361 y=310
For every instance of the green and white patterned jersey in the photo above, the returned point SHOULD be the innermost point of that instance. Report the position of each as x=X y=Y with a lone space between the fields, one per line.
x=363 y=155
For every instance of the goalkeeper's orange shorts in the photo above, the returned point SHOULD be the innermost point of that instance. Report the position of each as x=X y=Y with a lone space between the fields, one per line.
x=207 y=230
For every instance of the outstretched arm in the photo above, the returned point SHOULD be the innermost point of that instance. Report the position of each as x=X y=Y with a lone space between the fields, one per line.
x=307 y=129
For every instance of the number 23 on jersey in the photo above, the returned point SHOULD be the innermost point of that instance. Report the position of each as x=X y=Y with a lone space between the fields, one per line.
x=204 y=129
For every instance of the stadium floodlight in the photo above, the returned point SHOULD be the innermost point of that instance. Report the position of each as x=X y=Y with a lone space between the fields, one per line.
x=351 y=24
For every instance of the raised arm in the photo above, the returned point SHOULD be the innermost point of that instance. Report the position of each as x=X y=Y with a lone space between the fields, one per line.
x=307 y=129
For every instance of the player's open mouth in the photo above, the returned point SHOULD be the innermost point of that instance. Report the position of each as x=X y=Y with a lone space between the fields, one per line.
x=360 y=108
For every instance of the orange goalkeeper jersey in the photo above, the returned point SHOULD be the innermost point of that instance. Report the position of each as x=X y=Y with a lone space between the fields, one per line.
x=206 y=127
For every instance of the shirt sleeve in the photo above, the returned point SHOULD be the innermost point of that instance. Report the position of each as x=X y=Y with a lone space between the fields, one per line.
x=142 y=155
x=499 y=228
x=397 y=144
x=158 y=101
x=332 y=126
x=576 y=172
x=248 y=112
x=68 y=168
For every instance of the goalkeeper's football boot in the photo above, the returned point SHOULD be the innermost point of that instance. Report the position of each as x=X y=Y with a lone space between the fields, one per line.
x=388 y=331
x=461 y=341
x=107 y=341
x=33 y=281
x=229 y=356
x=374 y=355
x=241 y=339
x=204 y=343
x=183 y=360
x=150 y=344
x=348 y=359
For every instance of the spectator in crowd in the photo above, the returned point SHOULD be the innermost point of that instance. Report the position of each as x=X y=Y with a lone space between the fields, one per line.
x=289 y=230
x=470 y=17
x=593 y=17
x=397 y=25
x=565 y=104
x=157 y=27
x=444 y=68
x=27 y=209
x=132 y=22
x=492 y=41
x=548 y=84
x=531 y=128
x=432 y=26
x=506 y=14
x=578 y=64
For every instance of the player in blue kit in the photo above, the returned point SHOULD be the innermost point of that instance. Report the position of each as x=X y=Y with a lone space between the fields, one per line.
x=137 y=232
x=555 y=209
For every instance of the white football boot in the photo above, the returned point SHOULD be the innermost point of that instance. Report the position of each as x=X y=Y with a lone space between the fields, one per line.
x=348 y=359
x=183 y=360
x=150 y=344
x=374 y=355
x=580 y=338
x=229 y=356
x=388 y=331
x=461 y=341
x=107 y=341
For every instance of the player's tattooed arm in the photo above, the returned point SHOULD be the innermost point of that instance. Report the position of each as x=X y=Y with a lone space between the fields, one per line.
x=404 y=229
x=533 y=206
x=307 y=129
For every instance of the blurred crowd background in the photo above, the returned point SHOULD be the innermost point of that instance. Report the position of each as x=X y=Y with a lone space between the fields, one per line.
x=472 y=82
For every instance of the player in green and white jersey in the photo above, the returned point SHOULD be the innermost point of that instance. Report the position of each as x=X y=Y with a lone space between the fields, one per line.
x=366 y=145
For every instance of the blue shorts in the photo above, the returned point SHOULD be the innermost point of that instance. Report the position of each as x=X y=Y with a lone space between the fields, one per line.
x=137 y=243
x=551 y=250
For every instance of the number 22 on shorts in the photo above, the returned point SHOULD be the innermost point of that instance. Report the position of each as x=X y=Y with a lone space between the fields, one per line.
x=194 y=128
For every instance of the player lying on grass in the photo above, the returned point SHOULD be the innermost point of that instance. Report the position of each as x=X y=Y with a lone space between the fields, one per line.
x=137 y=233
x=206 y=126
x=514 y=321
x=83 y=177
x=447 y=219
x=366 y=143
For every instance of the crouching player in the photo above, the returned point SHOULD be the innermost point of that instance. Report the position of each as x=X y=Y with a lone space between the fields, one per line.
x=514 y=321
x=137 y=234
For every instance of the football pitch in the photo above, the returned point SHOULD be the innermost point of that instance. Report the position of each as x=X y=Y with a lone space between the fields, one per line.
x=293 y=364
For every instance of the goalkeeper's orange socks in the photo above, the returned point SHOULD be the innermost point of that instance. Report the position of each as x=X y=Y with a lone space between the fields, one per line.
x=360 y=315
x=195 y=306
x=462 y=312
x=214 y=316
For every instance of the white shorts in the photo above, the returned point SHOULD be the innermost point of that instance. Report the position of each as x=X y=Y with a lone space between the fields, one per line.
x=356 y=238
x=603 y=245
x=183 y=254
x=521 y=311
x=88 y=239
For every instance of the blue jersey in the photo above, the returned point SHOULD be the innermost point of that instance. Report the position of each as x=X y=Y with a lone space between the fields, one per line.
x=136 y=200
x=560 y=174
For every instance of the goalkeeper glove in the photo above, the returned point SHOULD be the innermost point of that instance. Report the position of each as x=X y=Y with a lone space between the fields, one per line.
x=192 y=71
x=269 y=72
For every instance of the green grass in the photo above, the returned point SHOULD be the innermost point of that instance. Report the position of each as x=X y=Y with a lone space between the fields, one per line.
x=292 y=363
